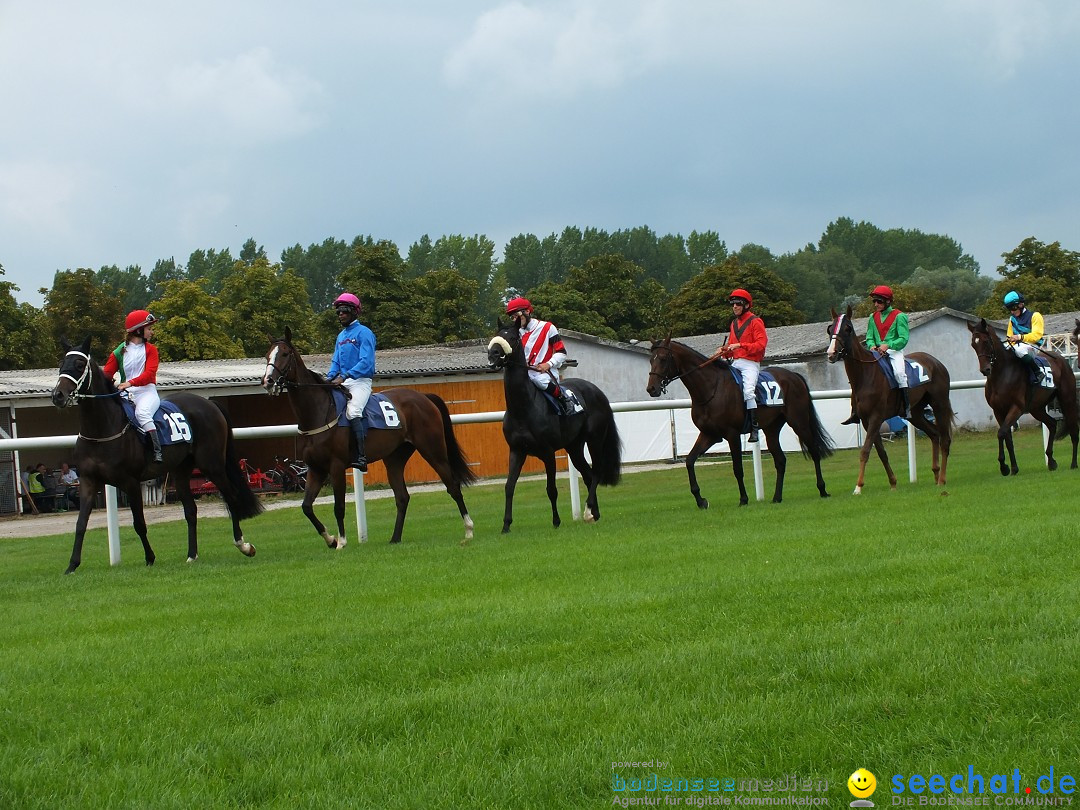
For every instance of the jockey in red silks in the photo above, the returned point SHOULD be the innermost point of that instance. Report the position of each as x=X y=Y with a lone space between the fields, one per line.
x=745 y=348
x=544 y=350
x=137 y=361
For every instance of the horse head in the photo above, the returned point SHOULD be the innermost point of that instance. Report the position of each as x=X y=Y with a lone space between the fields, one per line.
x=662 y=367
x=281 y=365
x=505 y=344
x=983 y=339
x=842 y=332
x=75 y=374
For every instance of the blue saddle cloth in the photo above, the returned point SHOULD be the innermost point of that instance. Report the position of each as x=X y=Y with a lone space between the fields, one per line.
x=767 y=391
x=172 y=426
x=1042 y=375
x=916 y=373
x=380 y=411
x=556 y=405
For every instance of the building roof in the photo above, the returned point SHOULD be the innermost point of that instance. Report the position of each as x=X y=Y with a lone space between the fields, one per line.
x=464 y=357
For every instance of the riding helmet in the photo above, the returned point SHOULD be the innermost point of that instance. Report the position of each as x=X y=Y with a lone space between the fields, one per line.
x=347 y=299
x=741 y=294
x=1013 y=297
x=514 y=304
x=881 y=291
x=137 y=319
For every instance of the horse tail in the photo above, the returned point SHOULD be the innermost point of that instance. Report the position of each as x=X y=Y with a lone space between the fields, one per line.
x=459 y=464
x=243 y=504
x=821 y=441
x=607 y=459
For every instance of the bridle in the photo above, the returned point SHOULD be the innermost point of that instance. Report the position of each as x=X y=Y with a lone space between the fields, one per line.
x=665 y=380
x=281 y=382
x=838 y=347
x=81 y=381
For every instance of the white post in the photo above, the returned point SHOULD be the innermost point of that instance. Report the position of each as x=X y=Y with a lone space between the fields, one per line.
x=759 y=484
x=113 y=521
x=575 y=493
x=361 y=507
x=912 y=466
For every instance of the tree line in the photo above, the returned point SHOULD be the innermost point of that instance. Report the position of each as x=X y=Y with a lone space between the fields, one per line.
x=621 y=285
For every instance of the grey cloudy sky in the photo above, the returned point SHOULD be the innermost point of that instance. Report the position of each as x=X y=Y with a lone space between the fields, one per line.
x=134 y=131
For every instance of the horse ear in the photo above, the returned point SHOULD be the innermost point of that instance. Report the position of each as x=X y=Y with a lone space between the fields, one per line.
x=498 y=324
x=833 y=311
x=288 y=335
x=86 y=345
x=970 y=326
x=64 y=344
x=849 y=312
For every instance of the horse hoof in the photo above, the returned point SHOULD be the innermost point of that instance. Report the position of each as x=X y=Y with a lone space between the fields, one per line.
x=588 y=516
x=71 y=569
x=506 y=530
x=246 y=548
x=341 y=543
x=394 y=540
x=858 y=491
x=703 y=503
x=1051 y=465
x=1004 y=470
x=825 y=495
x=777 y=500
x=189 y=559
x=331 y=541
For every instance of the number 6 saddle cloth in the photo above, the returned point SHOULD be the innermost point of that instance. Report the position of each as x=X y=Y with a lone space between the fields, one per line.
x=380 y=411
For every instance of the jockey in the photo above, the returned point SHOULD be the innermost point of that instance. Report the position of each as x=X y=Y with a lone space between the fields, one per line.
x=137 y=361
x=544 y=350
x=746 y=348
x=1025 y=330
x=887 y=335
x=353 y=367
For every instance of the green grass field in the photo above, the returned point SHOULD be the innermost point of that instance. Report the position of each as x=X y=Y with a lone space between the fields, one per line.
x=907 y=632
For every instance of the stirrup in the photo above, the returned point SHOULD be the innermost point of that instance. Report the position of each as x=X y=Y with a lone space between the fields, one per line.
x=359 y=463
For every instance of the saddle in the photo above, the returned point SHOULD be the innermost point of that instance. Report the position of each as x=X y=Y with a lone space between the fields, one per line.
x=172 y=426
x=767 y=391
x=577 y=406
x=916 y=374
x=379 y=411
x=1040 y=372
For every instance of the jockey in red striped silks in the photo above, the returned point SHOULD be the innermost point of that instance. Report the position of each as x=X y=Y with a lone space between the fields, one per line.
x=544 y=350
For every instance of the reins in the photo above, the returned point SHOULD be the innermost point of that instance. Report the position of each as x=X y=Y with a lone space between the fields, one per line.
x=666 y=381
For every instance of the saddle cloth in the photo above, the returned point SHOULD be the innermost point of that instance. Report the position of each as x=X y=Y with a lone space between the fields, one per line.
x=172 y=426
x=767 y=391
x=916 y=373
x=380 y=412
x=1042 y=374
x=556 y=405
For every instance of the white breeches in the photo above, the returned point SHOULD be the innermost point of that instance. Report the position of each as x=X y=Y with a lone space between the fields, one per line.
x=896 y=357
x=542 y=378
x=147 y=402
x=359 y=393
x=749 y=370
x=1022 y=349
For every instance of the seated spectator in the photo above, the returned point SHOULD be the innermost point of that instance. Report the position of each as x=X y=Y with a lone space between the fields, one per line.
x=40 y=488
x=29 y=507
x=69 y=488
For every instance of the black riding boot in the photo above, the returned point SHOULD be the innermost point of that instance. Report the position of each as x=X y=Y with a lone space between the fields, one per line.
x=359 y=429
x=156 y=442
x=754 y=427
x=906 y=403
x=560 y=397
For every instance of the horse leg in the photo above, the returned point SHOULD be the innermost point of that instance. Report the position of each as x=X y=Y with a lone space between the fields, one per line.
x=772 y=441
x=86 y=506
x=922 y=423
x=734 y=441
x=191 y=515
x=517 y=460
x=552 y=488
x=702 y=444
x=577 y=457
x=441 y=465
x=873 y=439
x=1005 y=440
x=1051 y=428
x=395 y=474
x=311 y=492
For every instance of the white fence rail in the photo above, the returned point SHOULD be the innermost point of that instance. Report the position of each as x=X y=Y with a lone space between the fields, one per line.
x=276 y=431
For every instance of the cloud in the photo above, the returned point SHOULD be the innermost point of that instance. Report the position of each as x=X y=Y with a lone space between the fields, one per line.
x=37 y=195
x=559 y=50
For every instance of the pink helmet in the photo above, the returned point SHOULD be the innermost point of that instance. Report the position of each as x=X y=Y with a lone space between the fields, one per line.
x=348 y=299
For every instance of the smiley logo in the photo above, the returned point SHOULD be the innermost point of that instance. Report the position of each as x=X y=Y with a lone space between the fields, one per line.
x=861 y=783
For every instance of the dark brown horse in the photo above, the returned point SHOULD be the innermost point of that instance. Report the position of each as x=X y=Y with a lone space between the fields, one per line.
x=531 y=428
x=718 y=412
x=109 y=451
x=324 y=445
x=875 y=401
x=1010 y=394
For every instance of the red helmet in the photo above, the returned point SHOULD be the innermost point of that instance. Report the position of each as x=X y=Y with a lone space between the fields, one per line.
x=137 y=319
x=514 y=304
x=741 y=294
x=881 y=291
x=349 y=300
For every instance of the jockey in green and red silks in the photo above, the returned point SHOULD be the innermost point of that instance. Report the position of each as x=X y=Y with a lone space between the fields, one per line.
x=887 y=335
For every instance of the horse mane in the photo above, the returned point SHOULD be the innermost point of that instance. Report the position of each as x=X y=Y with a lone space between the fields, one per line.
x=700 y=358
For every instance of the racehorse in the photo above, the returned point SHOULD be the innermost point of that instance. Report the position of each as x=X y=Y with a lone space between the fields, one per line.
x=718 y=412
x=875 y=401
x=324 y=445
x=532 y=428
x=109 y=451
x=1009 y=394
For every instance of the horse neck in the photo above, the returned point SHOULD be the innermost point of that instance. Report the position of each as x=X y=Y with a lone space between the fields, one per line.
x=99 y=411
x=310 y=396
x=518 y=388
x=859 y=361
x=700 y=376
x=1002 y=360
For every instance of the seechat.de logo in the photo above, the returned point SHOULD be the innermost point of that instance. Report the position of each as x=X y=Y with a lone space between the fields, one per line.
x=862 y=784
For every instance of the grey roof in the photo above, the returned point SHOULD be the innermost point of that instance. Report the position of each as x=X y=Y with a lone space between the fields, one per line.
x=464 y=357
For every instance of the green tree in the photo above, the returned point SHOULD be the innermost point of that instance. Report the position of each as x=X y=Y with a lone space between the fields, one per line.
x=1047 y=275
x=319 y=266
x=262 y=302
x=568 y=308
x=376 y=273
x=701 y=305
x=77 y=307
x=211 y=265
x=252 y=252
x=165 y=270
x=615 y=286
x=20 y=328
x=129 y=284
x=959 y=287
x=194 y=324
x=446 y=306
x=524 y=263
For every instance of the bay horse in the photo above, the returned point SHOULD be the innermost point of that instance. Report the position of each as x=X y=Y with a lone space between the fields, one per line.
x=109 y=451
x=1010 y=394
x=875 y=401
x=532 y=428
x=718 y=412
x=324 y=445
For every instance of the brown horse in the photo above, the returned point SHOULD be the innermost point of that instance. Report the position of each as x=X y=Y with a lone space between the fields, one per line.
x=324 y=445
x=109 y=451
x=1010 y=394
x=875 y=401
x=718 y=412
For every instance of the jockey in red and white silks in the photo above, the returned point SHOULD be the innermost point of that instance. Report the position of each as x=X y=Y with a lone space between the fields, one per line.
x=542 y=345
